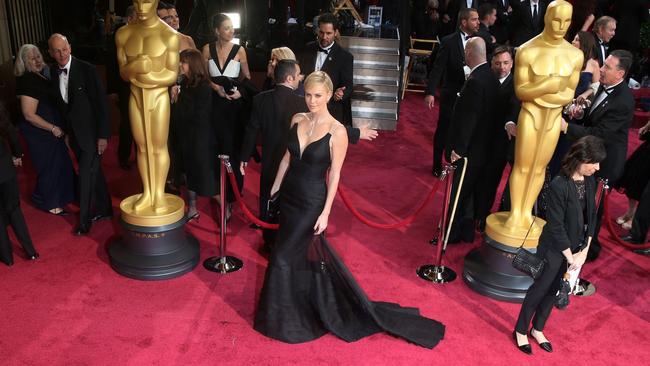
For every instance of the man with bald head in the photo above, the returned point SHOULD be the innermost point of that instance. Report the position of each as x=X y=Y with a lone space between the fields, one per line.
x=470 y=134
x=83 y=103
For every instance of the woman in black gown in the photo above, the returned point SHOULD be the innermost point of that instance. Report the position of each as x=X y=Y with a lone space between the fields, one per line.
x=308 y=291
x=42 y=129
x=191 y=114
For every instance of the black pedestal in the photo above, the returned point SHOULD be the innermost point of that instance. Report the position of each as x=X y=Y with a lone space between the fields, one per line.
x=488 y=270
x=154 y=253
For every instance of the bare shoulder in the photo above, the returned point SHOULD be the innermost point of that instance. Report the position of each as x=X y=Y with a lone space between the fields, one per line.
x=338 y=130
x=297 y=118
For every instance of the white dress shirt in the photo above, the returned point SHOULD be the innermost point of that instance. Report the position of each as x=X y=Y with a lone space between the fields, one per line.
x=603 y=95
x=322 y=56
x=63 y=80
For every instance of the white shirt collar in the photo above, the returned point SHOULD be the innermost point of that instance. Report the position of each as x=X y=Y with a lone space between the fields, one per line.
x=610 y=87
x=501 y=80
x=328 y=47
x=474 y=68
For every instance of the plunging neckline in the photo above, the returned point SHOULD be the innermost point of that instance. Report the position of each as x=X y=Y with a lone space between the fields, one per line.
x=228 y=58
x=301 y=150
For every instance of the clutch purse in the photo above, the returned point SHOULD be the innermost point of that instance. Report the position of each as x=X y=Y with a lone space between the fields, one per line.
x=528 y=262
x=273 y=207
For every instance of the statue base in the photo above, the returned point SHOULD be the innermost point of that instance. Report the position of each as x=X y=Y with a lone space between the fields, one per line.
x=495 y=228
x=488 y=270
x=154 y=253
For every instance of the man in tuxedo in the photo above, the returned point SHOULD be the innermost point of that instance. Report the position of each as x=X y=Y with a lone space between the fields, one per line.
x=328 y=56
x=506 y=113
x=609 y=117
x=471 y=134
x=487 y=15
x=454 y=7
x=448 y=74
x=84 y=107
x=604 y=30
x=500 y=29
x=167 y=12
x=271 y=118
x=527 y=21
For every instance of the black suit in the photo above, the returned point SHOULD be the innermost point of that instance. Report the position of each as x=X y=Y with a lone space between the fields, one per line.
x=610 y=120
x=564 y=229
x=470 y=136
x=523 y=26
x=10 y=212
x=600 y=55
x=501 y=150
x=500 y=28
x=271 y=118
x=339 y=67
x=86 y=116
x=447 y=74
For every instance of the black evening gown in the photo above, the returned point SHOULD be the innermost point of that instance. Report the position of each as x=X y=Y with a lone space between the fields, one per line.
x=308 y=291
x=49 y=155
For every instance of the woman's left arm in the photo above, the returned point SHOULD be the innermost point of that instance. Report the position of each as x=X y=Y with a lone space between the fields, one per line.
x=339 y=148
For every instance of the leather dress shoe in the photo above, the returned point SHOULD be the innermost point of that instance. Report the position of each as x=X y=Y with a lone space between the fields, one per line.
x=630 y=239
x=642 y=251
x=82 y=229
x=33 y=257
x=546 y=346
x=100 y=217
x=9 y=263
x=525 y=348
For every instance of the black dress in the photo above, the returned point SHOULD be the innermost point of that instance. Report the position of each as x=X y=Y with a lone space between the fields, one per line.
x=194 y=139
x=308 y=291
x=636 y=174
x=49 y=154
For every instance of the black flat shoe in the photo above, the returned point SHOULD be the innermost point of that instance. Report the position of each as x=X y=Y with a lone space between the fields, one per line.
x=632 y=240
x=81 y=230
x=525 y=348
x=546 y=346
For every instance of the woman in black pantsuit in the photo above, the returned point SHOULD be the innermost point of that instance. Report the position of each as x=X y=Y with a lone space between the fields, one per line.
x=565 y=239
x=10 y=212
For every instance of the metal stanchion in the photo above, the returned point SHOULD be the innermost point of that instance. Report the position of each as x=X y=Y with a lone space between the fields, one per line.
x=223 y=263
x=438 y=273
x=583 y=287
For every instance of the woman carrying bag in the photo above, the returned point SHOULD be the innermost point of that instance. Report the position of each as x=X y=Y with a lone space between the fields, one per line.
x=565 y=239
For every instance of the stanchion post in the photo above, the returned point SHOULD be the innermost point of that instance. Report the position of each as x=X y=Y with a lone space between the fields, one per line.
x=223 y=263
x=438 y=273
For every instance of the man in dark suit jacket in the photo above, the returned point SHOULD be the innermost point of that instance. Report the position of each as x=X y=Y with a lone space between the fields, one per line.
x=85 y=110
x=448 y=74
x=487 y=15
x=506 y=113
x=609 y=117
x=500 y=29
x=604 y=30
x=527 y=21
x=453 y=8
x=328 y=56
x=271 y=118
x=471 y=134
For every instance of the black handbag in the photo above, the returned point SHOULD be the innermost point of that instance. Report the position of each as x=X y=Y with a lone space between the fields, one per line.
x=562 y=296
x=273 y=208
x=528 y=262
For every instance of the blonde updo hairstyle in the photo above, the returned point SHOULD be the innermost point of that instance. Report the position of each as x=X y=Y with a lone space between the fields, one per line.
x=319 y=77
x=283 y=53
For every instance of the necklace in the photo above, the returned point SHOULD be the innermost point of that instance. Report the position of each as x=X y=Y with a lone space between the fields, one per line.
x=312 y=124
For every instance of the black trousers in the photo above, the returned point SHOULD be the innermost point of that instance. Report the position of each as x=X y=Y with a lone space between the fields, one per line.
x=93 y=192
x=642 y=216
x=440 y=137
x=462 y=228
x=540 y=297
x=11 y=214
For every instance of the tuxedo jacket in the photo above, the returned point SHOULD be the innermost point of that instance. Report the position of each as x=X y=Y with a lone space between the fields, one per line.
x=86 y=113
x=471 y=131
x=599 y=51
x=507 y=105
x=500 y=28
x=522 y=26
x=271 y=118
x=9 y=148
x=565 y=220
x=610 y=120
x=447 y=72
x=339 y=66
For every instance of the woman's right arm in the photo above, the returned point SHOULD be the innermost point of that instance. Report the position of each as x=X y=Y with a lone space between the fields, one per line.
x=28 y=107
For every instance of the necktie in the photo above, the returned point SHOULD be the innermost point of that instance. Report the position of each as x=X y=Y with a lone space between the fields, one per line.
x=323 y=50
x=62 y=71
x=535 y=12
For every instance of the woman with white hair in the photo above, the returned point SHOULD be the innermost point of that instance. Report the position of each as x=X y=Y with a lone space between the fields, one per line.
x=42 y=127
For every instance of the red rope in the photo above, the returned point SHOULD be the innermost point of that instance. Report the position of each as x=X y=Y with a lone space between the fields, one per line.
x=403 y=222
x=612 y=232
x=242 y=204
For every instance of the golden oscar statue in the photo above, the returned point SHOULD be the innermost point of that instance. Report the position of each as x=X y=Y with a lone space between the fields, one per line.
x=547 y=70
x=148 y=54
x=154 y=245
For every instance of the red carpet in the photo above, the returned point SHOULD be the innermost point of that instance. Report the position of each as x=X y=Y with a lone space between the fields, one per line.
x=70 y=308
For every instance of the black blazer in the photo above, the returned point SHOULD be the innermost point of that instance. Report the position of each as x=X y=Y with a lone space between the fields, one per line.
x=523 y=28
x=599 y=51
x=506 y=109
x=339 y=67
x=501 y=26
x=471 y=130
x=484 y=32
x=86 y=113
x=564 y=217
x=447 y=72
x=610 y=120
x=9 y=148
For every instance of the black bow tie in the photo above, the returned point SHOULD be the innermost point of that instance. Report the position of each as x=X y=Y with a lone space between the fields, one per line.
x=603 y=43
x=62 y=71
x=323 y=50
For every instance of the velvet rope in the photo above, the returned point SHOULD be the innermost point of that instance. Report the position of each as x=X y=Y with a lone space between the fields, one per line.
x=612 y=232
x=403 y=222
x=242 y=204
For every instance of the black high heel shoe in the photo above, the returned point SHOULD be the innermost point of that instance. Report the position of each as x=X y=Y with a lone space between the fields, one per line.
x=33 y=257
x=546 y=346
x=525 y=348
